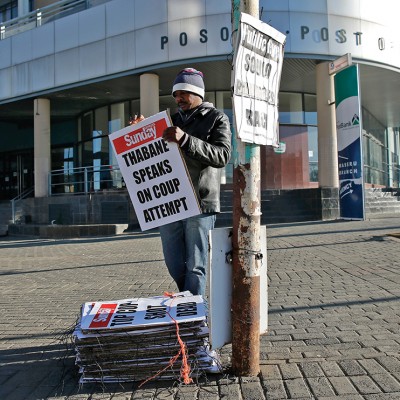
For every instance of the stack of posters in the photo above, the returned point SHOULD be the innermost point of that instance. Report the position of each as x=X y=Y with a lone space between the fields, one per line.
x=141 y=338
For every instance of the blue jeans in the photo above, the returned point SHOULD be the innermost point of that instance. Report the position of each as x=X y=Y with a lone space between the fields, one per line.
x=185 y=247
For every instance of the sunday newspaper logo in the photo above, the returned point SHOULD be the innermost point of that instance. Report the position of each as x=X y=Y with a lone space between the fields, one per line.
x=139 y=137
x=103 y=316
x=155 y=173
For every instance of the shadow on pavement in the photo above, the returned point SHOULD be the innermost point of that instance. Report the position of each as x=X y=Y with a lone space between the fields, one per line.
x=13 y=242
x=114 y=264
x=332 y=305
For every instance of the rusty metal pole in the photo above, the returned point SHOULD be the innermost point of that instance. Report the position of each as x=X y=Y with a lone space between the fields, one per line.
x=246 y=241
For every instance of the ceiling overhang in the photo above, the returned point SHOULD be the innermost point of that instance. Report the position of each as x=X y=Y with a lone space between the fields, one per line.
x=380 y=89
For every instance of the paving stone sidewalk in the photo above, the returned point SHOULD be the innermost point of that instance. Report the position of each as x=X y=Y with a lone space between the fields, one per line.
x=334 y=314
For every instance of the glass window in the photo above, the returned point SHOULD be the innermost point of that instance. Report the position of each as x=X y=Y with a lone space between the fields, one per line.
x=117 y=121
x=60 y=156
x=290 y=108
x=310 y=109
x=101 y=122
x=373 y=126
x=62 y=163
x=96 y=152
x=376 y=166
x=87 y=154
x=87 y=125
x=224 y=103
x=120 y=114
x=135 y=108
x=9 y=10
x=96 y=174
x=210 y=97
x=396 y=159
x=168 y=103
x=127 y=113
x=375 y=161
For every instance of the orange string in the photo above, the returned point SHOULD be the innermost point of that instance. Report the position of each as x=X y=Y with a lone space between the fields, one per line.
x=185 y=367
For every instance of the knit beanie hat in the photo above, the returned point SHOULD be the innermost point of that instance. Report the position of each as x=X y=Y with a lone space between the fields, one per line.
x=189 y=80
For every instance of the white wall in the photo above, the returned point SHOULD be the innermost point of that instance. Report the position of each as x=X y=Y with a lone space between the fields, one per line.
x=124 y=35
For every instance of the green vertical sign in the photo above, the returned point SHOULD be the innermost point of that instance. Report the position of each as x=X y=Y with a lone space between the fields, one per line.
x=349 y=139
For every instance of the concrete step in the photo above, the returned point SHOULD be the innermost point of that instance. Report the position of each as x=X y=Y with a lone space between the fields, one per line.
x=66 y=231
x=382 y=201
x=3 y=229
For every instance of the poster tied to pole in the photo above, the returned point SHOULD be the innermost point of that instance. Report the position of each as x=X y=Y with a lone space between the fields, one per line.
x=154 y=172
x=256 y=78
x=349 y=136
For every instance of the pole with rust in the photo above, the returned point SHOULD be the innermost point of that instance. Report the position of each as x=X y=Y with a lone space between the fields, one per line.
x=246 y=241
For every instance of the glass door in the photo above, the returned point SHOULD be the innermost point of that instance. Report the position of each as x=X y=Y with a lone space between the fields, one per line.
x=16 y=174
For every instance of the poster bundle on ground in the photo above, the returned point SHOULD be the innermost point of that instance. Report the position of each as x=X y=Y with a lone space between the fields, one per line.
x=135 y=339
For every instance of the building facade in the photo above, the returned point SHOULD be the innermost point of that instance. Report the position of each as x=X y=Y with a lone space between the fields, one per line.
x=72 y=72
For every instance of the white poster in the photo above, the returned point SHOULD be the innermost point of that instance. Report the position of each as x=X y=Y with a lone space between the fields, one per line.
x=256 y=79
x=154 y=172
x=220 y=284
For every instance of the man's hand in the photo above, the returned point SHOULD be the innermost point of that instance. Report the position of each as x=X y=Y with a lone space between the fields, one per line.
x=136 y=119
x=174 y=134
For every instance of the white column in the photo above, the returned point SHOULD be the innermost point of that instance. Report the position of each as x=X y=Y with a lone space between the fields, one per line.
x=149 y=94
x=42 y=153
x=328 y=176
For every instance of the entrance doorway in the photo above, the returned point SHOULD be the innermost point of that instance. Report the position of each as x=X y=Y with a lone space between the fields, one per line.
x=16 y=174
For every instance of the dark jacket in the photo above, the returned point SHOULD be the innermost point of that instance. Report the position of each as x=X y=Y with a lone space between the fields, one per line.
x=207 y=150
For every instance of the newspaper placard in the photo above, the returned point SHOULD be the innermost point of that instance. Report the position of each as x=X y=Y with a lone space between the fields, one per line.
x=139 y=312
x=154 y=172
x=256 y=79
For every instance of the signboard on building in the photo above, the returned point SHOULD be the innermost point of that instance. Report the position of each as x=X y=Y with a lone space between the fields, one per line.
x=154 y=172
x=349 y=138
x=340 y=63
x=256 y=79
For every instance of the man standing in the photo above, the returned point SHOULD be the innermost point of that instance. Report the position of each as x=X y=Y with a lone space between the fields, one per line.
x=204 y=136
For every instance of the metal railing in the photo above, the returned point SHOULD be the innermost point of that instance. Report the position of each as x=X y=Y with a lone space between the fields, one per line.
x=45 y=14
x=14 y=201
x=84 y=180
